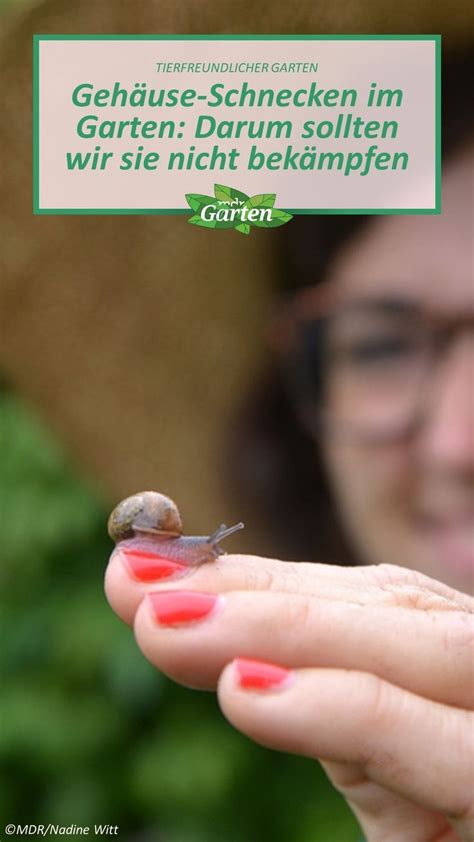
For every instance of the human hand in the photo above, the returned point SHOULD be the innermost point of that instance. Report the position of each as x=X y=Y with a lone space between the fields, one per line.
x=377 y=680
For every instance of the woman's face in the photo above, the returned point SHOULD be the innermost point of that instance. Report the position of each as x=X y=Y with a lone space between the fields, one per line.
x=409 y=499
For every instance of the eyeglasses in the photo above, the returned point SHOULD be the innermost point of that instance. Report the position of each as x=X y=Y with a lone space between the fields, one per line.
x=362 y=369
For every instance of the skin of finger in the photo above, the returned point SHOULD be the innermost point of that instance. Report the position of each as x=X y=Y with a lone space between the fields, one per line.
x=406 y=648
x=417 y=749
x=383 y=815
x=365 y=585
x=124 y=594
x=252 y=573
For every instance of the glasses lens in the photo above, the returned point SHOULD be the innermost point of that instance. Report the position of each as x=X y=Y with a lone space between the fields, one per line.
x=364 y=367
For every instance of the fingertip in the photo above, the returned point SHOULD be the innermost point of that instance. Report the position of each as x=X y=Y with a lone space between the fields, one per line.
x=232 y=701
x=247 y=678
x=226 y=683
x=123 y=595
x=255 y=696
x=171 y=648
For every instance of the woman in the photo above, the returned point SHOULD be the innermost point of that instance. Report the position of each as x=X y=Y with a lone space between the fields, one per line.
x=367 y=669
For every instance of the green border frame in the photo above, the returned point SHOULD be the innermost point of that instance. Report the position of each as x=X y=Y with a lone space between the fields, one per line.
x=37 y=210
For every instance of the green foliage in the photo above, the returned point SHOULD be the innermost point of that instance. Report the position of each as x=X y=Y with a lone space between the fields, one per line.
x=89 y=731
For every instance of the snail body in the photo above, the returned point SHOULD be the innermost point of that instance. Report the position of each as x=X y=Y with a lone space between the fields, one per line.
x=154 y=518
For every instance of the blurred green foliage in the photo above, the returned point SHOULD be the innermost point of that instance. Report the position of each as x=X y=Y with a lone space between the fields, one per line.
x=89 y=731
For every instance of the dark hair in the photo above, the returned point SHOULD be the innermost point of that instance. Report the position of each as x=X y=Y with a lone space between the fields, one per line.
x=278 y=469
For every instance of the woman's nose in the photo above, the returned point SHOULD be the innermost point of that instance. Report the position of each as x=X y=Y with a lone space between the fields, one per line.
x=447 y=435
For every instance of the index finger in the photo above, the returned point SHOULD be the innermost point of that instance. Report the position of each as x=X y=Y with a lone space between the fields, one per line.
x=130 y=576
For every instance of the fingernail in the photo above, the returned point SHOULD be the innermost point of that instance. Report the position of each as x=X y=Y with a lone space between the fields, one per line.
x=261 y=675
x=173 y=608
x=149 y=567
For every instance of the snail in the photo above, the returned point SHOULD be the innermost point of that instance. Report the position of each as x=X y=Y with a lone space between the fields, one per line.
x=156 y=517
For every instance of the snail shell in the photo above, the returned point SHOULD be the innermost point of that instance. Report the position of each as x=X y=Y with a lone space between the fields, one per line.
x=155 y=519
x=148 y=511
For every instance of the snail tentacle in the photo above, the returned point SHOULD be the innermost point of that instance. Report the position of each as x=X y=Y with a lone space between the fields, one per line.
x=223 y=531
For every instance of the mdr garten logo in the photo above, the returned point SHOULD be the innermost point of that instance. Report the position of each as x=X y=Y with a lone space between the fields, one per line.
x=230 y=208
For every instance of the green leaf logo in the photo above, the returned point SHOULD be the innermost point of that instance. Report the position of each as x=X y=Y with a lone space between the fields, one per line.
x=230 y=208
x=228 y=194
x=196 y=201
x=264 y=200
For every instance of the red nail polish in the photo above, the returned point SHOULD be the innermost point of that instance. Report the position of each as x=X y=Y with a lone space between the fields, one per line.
x=149 y=567
x=172 y=608
x=260 y=675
